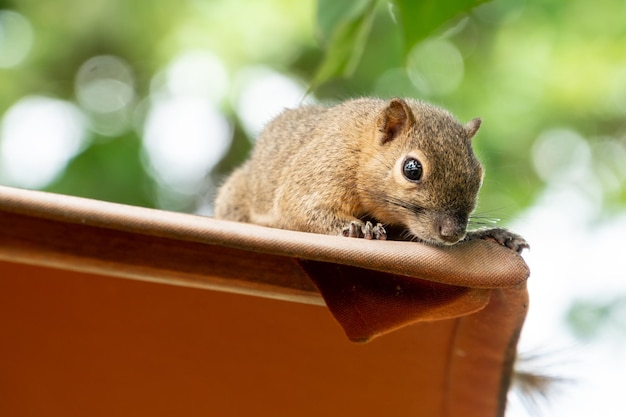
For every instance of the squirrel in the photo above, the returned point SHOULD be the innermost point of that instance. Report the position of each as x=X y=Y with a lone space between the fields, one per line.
x=366 y=168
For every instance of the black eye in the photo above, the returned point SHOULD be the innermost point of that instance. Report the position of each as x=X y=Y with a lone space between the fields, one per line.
x=412 y=169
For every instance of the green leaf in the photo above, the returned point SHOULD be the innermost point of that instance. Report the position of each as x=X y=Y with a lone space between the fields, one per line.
x=419 y=19
x=344 y=28
x=331 y=13
x=347 y=29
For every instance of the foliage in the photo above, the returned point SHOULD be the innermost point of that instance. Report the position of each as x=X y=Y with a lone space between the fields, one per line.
x=547 y=78
x=345 y=29
x=589 y=318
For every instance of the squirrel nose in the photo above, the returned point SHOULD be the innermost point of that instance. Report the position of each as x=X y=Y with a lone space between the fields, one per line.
x=450 y=230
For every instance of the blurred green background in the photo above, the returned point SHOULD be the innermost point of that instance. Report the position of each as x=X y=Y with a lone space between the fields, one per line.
x=152 y=103
x=547 y=77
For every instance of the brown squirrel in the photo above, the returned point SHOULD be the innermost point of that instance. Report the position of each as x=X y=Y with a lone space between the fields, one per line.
x=364 y=168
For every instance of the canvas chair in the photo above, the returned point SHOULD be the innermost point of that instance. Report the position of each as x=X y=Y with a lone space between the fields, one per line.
x=219 y=318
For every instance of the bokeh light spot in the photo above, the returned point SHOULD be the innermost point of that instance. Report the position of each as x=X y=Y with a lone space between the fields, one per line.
x=562 y=154
x=38 y=137
x=16 y=38
x=435 y=67
x=198 y=73
x=105 y=88
x=104 y=84
x=184 y=138
x=263 y=94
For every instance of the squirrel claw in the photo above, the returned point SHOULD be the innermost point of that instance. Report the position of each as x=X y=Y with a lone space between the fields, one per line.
x=355 y=230
x=379 y=232
x=367 y=231
x=502 y=237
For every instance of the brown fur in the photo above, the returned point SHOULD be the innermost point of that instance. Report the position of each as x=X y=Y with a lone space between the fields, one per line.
x=320 y=169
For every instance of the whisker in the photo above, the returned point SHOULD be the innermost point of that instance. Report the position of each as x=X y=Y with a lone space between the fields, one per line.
x=490 y=214
x=406 y=235
x=491 y=211
x=483 y=220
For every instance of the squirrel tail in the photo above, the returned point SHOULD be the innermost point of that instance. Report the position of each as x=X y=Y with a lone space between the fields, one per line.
x=534 y=384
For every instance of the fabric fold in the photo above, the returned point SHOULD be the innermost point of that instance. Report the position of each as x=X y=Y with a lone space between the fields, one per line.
x=368 y=304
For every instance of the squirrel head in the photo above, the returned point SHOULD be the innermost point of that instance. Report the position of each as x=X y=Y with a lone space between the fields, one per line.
x=421 y=173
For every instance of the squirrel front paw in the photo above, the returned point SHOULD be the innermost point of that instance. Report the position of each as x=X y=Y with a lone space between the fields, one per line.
x=501 y=236
x=366 y=230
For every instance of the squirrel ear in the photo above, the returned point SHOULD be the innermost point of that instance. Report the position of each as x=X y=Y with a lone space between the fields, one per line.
x=395 y=118
x=472 y=127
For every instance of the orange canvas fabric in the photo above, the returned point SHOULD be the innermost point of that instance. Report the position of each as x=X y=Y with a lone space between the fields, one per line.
x=470 y=298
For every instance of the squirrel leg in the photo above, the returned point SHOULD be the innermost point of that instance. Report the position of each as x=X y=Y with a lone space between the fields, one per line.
x=365 y=230
x=232 y=202
x=501 y=236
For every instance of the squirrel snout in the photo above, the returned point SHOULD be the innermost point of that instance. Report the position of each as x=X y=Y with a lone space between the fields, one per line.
x=450 y=230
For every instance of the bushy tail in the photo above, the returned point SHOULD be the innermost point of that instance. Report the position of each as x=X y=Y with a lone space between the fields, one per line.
x=534 y=384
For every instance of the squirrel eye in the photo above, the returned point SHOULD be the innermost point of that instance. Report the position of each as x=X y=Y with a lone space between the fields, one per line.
x=412 y=169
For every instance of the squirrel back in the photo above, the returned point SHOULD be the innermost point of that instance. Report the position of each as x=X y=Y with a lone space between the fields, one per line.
x=403 y=163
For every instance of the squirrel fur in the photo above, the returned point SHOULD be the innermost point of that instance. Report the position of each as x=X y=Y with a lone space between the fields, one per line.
x=363 y=168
